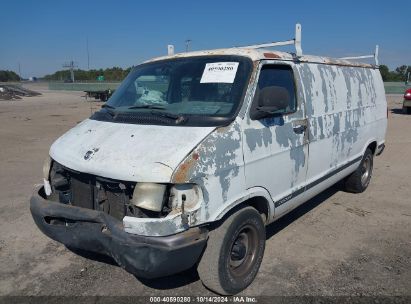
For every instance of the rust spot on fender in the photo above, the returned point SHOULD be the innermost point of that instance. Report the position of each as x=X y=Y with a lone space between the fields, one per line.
x=185 y=170
x=222 y=129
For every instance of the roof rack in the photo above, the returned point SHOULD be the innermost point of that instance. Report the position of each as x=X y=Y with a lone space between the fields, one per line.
x=296 y=42
x=375 y=56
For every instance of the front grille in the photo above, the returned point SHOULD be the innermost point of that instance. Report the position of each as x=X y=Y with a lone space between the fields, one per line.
x=92 y=192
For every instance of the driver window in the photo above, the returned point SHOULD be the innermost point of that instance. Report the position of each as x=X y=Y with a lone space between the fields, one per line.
x=276 y=82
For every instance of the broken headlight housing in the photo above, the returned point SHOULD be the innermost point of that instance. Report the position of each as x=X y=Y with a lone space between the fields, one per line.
x=46 y=175
x=46 y=168
x=184 y=196
x=158 y=197
x=149 y=196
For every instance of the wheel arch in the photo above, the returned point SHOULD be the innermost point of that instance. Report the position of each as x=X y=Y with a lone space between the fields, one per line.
x=258 y=198
x=372 y=146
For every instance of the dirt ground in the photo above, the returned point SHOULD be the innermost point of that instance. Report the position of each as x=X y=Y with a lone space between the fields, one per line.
x=335 y=244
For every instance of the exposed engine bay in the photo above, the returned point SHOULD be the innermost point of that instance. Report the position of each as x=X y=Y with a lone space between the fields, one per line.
x=103 y=194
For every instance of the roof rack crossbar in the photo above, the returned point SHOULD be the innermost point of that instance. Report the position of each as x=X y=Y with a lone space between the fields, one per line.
x=268 y=44
x=375 y=56
x=296 y=42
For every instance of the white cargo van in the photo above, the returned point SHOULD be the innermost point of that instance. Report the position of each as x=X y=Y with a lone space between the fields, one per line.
x=196 y=153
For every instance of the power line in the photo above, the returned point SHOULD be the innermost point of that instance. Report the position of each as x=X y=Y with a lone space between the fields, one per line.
x=88 y=56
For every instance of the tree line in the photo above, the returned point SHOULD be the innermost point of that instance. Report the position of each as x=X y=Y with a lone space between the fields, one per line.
x=8 y=76
x=109 y=74
x=399 y=74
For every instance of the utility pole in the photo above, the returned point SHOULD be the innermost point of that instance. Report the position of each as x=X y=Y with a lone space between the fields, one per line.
x=71 y=65
x=188 y=41
x=88 y=56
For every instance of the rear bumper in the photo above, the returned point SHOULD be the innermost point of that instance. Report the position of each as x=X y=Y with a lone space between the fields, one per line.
x=95 y=231
x=407 y=103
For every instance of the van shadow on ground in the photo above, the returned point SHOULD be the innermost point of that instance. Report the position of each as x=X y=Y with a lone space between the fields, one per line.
x=398 y=111
x=190 y=276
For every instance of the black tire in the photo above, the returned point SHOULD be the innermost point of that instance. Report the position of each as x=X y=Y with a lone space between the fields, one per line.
x=406 y=110
x=234 y=253
x=359 y=180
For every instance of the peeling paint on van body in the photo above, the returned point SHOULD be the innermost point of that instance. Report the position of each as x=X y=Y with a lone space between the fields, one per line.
x=341 y=104
x=347 y=113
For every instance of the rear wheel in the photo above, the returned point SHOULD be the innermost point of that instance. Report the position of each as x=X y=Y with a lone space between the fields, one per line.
x=359 y=180
x=234 y=253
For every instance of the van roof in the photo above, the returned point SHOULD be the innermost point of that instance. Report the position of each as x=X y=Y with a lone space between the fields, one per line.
x=259 y=54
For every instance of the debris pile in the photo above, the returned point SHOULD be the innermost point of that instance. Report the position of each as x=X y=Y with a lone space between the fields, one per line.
x=13 y=92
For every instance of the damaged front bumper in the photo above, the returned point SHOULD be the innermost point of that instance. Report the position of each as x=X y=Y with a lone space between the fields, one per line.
x=95 y=231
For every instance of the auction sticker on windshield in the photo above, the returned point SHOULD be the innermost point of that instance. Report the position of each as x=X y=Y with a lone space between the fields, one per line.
x=219 y=72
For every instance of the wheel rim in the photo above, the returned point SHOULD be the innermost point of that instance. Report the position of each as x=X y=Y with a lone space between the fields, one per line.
x=366 y=171
x=243 y=251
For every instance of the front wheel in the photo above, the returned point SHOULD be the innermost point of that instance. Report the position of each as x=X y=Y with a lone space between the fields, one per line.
x=359 y=180
x=234 y=253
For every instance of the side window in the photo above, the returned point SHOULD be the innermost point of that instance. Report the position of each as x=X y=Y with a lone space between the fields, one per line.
x=275 y=92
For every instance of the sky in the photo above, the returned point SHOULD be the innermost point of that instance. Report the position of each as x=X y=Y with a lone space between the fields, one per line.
x=40 y=36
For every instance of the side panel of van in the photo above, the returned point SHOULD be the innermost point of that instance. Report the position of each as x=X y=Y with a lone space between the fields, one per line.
x=346 y=111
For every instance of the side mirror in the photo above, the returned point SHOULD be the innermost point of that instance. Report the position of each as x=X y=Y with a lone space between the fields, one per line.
x=272 y=101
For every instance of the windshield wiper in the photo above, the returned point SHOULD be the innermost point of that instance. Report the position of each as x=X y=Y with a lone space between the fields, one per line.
x=179 y=119
x=147 y=107
x=109 y=110
x=107 y=106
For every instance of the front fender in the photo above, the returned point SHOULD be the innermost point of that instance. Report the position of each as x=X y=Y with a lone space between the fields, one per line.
x=217 y=166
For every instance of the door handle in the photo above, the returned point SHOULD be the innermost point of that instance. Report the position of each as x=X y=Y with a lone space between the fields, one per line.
x=299 y=129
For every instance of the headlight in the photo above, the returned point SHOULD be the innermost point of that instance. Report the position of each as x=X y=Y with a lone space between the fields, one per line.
x=149 y=196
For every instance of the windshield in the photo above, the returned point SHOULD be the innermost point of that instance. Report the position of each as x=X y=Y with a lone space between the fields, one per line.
x=184 y=91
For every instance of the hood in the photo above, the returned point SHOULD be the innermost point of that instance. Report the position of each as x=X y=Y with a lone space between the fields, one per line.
x=140 y=153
